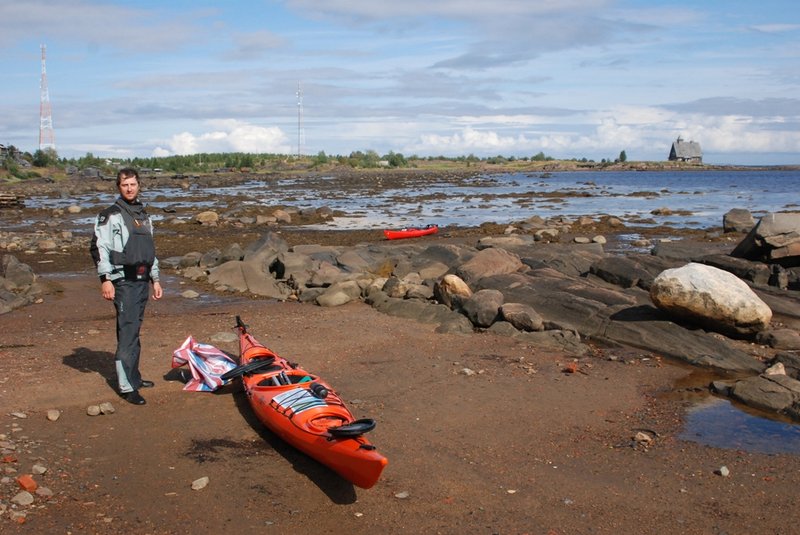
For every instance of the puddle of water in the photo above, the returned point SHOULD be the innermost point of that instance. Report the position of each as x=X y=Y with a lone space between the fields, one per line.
x=717 y=422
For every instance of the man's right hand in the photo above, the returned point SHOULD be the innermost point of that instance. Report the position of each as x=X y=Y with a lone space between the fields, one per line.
x=107 y=289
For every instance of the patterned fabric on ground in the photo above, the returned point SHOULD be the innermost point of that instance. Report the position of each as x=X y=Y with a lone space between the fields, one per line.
x=206 y=362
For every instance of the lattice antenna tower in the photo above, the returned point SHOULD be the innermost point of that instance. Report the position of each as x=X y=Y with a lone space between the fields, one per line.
x=301 y=134
x=47 y=138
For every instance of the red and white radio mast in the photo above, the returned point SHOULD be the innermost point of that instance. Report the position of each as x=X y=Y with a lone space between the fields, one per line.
x=47 y=139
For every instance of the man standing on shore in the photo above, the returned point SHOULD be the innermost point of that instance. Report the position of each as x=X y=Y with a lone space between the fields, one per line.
x=124 y=252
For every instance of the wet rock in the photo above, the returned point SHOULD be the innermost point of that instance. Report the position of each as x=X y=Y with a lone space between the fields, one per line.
x=738 y=220
x=774 y=239
x=710 y=297
x=776 y=393
x=722 y=387
x=190 y=294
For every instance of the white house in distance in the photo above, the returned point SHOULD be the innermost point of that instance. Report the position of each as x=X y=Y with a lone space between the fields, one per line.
x=685 y=151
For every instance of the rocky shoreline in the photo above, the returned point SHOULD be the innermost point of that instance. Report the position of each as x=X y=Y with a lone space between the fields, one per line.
x=555 y=283
x=556 y=318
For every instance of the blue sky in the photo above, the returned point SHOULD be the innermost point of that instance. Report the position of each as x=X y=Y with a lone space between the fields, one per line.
x=570 y=78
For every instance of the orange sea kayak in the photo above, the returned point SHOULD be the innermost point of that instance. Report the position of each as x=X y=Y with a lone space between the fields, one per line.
x=306 y=412
x=410 y=232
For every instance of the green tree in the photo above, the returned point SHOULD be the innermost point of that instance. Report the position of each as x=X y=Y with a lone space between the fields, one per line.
x=396 y=159
x=320 y=159
x=623 y=157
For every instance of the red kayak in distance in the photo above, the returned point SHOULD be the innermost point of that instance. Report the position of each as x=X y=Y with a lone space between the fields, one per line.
x=305 y=411
x=410 y=232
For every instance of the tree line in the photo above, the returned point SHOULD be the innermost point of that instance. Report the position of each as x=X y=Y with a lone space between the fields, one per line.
x=209 y=162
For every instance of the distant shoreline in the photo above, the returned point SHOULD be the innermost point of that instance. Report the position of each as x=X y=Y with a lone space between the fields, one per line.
x=305 y=166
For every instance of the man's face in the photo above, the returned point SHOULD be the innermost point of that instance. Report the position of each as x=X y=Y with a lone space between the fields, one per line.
x=129 y=188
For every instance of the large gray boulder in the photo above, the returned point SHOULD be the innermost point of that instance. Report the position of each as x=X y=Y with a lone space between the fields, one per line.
x=622 y=271
x=738 y=220
x=247 y=277
x=775 y=239
x=756 y=272
x=570 y=259
x=265 y=248
x=778 y=393
x=483 y=308
x=19 y=274
x=710 y=297
x=448 y=320
x=523 y=317
x=451 y=291
x=625 y=317
x=488 y=262
x=339 y=294
x=292 y=265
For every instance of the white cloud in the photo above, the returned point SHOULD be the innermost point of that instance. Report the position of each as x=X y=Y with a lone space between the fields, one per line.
x=461 y=9
x=230 y=136
x=99 y=24
x=776 y=28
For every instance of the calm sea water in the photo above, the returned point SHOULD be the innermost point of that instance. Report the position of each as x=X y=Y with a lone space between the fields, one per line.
x=698 y=199
x=504 y=198
x=716 y=422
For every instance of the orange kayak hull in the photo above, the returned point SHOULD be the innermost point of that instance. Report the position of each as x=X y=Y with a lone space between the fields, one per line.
x=286 y=399
x=410 y=232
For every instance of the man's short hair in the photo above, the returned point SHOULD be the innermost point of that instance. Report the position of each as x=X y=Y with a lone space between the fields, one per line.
x=127 y=172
